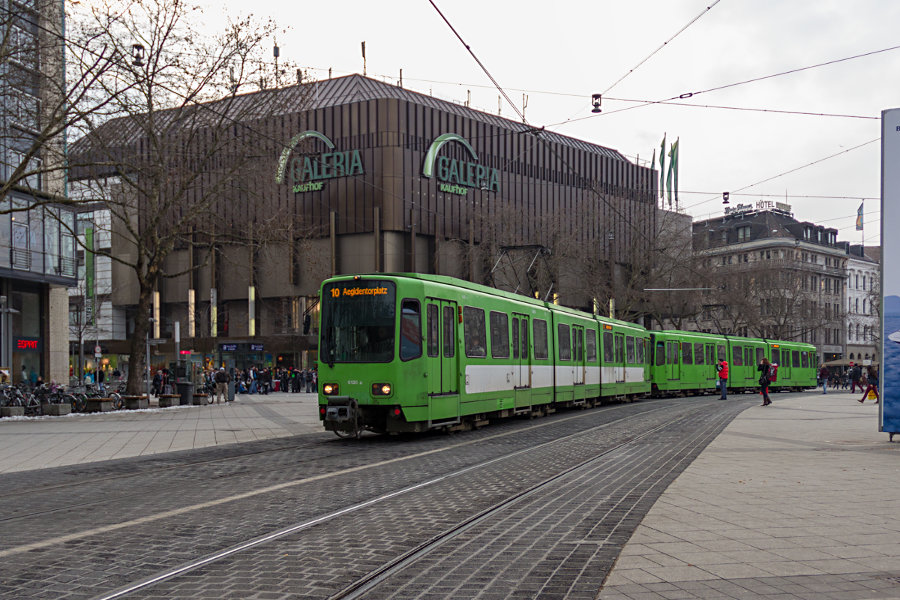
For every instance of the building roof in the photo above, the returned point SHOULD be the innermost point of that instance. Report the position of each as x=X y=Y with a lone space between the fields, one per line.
x=764 y=224
x=319 y=94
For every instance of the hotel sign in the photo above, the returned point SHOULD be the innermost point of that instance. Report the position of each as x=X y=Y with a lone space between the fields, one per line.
x=458 y=176
x=309 y=172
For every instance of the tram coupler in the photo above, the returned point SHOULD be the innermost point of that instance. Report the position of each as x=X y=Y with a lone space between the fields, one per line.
x=342 y=414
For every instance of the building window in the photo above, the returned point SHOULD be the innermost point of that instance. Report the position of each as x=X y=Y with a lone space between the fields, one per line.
x=743 y=233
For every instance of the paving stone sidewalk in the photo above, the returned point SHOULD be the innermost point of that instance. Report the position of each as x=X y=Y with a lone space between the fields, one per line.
x=40 y=442
x=800 y=499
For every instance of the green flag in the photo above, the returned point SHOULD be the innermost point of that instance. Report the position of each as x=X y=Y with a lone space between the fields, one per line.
x=662 y=168
x=672 y=180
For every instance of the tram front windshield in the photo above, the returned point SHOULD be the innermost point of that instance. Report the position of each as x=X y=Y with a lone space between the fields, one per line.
x=358 y=322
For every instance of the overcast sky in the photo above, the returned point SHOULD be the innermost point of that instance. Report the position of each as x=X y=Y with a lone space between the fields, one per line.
x=560 y=53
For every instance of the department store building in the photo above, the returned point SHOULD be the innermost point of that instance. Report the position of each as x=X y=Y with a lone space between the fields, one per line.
x=375 y=177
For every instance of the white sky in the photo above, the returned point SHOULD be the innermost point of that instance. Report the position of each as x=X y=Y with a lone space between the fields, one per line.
x=560 y=53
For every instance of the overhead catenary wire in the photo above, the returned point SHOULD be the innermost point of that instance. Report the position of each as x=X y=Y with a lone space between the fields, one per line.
x=661 y=46
x=686 y=95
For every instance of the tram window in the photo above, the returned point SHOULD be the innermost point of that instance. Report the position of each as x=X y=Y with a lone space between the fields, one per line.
x=748 y=356
x=687 y=353
x=640 y=350
x=710 y=354
x=608 y=346
x=698 y=354
x=629 y=349
x=565 y=347
x=760 y=354
x=473 y=330
x=539 y=335
x=620 y=350
x=515 y=338
x=738 y=356
x=660 y=354
x=804 y=359
x=449 y=328
x=795 y=358
x=410 y=330
x=578 y=340
x=776 y=356
x=591 y=345
x=524 y=339
x=434 y=330
x=720 y=352
x=499 y=335
x=672 y=353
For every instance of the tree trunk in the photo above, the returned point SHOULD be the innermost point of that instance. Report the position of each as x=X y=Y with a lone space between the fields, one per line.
x=138 y=361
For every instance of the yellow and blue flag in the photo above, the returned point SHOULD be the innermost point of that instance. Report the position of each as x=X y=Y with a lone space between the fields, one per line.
x=859 y=218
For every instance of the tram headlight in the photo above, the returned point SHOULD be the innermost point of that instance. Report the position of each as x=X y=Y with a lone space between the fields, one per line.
x=330 y=389
x=382 y=389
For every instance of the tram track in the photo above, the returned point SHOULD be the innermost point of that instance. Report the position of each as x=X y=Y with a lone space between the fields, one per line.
x=9 y=498
x=398 y=564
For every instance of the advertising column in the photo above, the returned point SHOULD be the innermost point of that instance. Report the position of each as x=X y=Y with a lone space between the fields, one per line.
x=890 y=272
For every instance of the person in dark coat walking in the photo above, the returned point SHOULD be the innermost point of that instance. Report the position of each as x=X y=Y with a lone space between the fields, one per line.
x=764 y=368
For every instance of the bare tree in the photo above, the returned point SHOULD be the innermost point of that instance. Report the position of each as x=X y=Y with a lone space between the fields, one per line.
x=178 y=143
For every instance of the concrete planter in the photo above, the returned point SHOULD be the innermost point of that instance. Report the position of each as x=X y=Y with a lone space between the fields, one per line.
x=98 y=405
x=12 y=411
x=199 y=399
x=169 y=400
x=136 y=402
x=58 y=410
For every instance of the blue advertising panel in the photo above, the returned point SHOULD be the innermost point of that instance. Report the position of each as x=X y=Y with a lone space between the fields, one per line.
x=890 y=271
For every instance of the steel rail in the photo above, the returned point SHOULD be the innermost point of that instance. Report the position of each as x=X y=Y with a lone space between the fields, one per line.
x=200 y=562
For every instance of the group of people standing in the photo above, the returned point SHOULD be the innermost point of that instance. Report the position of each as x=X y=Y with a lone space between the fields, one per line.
x=256 y=380
x=767 y=373
x=866 y=379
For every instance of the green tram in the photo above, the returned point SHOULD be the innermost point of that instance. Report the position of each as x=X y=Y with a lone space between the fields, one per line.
x=684 y=363
x=412 y=352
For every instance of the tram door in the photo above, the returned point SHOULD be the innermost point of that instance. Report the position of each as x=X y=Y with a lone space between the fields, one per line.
x=578 y=360
x=672 y=362
x=440 y=343
x=521 y=358
x=620 y=358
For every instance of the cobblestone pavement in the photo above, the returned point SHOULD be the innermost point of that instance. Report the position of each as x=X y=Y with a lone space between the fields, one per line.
x=40 y=442
x=80 y=532
x=795 y=500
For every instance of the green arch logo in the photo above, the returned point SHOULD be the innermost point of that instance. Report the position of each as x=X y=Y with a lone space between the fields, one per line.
x=286 y=153
x=437 y=144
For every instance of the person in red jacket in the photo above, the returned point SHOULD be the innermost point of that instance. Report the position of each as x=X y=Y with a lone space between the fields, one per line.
x=722 y=369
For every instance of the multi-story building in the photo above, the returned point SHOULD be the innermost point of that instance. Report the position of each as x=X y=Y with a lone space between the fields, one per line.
x=863 y=296
x=774 y=276
x=37 y=248
x=364 y=176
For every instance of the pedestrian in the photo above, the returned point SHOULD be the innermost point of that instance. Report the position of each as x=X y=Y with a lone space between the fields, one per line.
x=221 y=379
x=101 y=379
x=855 y=374
x=872 y=379
x=763 y=369
x=824 y=374
x=722 y=370
x=254 y=380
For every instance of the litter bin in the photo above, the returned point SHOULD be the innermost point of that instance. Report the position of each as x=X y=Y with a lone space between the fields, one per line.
x=186 y=390
x=230 y=397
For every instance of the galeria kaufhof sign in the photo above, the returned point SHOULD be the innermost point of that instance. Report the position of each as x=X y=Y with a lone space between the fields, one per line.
x=456 y=176
x=309 y=172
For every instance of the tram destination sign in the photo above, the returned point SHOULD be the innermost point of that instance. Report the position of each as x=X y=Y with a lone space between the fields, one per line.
x=310 y=172
x=457 y=176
